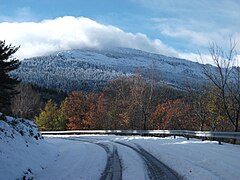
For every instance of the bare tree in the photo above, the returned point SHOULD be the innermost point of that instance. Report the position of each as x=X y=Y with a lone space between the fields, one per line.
x=226 y=79
x=197 y=101
x=27 y=103
x=130 y=102
x=143 y=95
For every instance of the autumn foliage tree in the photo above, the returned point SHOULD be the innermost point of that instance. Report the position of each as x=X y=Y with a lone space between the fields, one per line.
x=216 y=119
x=116 y=102
x=51 y=117
x=101 y=121
x=173 y=114
x=128 y=103
x=80 y=108
x=198 y=101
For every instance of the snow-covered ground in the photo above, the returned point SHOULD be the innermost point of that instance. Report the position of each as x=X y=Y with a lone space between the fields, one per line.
x=23 y=152
x=25 y=155
x=76 y=160
x=191 y=159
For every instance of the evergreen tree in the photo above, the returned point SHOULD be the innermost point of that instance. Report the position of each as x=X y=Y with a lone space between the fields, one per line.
x=7 y=82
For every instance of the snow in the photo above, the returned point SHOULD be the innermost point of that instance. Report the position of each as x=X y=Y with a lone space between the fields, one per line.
x=194 y=159
x=191 y=159
x=76 y=160
x=22 y=149
x=24 y=154
x=66 y=70
x=132 y=164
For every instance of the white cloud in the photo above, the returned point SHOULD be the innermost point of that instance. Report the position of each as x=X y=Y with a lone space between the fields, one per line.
x=64 y=33
x=206 y=58
x=195 y=22
x=192 y=36
x=195 y=36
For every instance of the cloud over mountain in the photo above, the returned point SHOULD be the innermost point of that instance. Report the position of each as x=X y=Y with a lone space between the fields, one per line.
x=68 y=32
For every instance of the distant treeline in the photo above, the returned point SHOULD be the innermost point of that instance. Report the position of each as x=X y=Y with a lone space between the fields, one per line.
x=125 y=103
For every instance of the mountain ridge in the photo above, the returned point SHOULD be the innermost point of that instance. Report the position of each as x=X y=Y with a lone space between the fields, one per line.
x=86 y=69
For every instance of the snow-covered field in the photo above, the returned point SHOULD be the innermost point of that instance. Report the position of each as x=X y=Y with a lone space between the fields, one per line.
x=25 y=155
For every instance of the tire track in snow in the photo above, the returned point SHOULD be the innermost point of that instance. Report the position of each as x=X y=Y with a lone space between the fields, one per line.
x=113 y=168
x=156 y=169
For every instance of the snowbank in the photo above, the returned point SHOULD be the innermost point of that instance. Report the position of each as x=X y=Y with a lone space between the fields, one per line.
x=23 y=150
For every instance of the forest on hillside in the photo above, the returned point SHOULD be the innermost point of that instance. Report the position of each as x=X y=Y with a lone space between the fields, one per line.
x=125 y=103
x=133 y=102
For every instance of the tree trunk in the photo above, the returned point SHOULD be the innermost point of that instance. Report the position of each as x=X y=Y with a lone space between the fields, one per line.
x=236 y=130
x=145 y=122
x=201 y=126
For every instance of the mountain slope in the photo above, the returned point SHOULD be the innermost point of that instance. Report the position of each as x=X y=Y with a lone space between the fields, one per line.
x=90 y=69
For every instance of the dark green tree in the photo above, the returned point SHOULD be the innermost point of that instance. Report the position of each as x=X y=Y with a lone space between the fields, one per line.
x=7 y=82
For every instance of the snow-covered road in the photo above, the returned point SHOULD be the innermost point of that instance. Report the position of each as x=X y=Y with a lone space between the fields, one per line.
x=84 y=158
x=113 y=170
x=133 y=157
x=76 y=160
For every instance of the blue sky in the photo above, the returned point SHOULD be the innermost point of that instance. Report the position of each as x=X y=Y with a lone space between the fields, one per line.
x=175 y=28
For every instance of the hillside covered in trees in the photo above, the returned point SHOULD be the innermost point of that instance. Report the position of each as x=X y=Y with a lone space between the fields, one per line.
x=130 y=100
x=90 y=70
x=126 y=100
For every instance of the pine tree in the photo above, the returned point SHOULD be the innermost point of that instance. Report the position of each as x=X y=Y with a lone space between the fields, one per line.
x=7 y=82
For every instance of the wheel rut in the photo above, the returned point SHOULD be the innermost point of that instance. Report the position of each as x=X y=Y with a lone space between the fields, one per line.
x=156 y=169
x=113 y=168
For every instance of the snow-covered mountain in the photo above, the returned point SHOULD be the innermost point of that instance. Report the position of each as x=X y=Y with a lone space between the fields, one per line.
x=90 y=69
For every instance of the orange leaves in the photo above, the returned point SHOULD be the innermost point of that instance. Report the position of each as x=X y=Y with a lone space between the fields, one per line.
x=172 y=114
x=80 y=108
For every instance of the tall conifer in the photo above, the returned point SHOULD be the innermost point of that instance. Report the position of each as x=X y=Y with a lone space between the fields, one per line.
x=7 y=82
